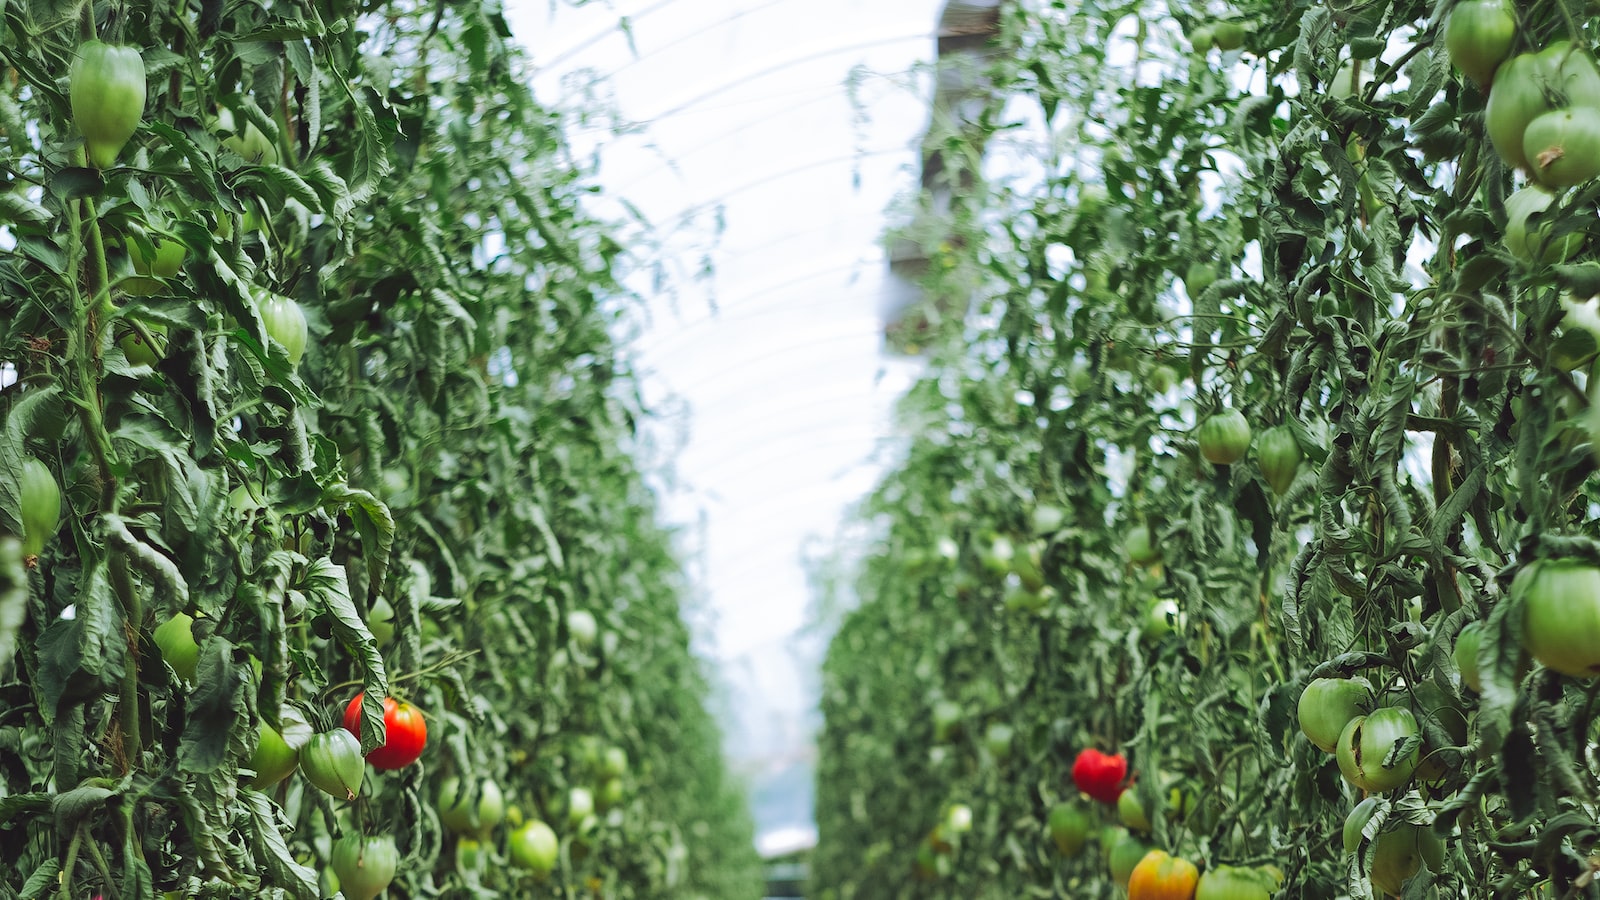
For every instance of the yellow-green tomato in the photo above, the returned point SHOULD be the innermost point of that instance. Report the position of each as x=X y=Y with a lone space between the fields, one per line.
x=1328 y=704
x=1131 y=812
x=106 y=85
x=1369 y=740
x=459 y=814
x=365 y=866
x=175 y=637
x=534 y=848
x=273 y=759
x=1069 y=828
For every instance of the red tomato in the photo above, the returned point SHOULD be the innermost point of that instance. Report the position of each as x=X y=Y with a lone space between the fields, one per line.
x=406 y=733
x=1100 y=775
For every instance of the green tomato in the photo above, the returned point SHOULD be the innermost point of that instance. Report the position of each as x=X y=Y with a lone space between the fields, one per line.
x=1279 y=456
x=458 y=813
x=107 y=90
x=1228 y=35
x=1069 y=828
x=1224 y=437
x=1140 y=546
x=1202 y=38
x=1466 y=655
x=1236 y=883
x=1534 y=243
x=1327 y=705
x=1398 y=856
x=168 y=260
x=580 y=805
x=1563 y=146
x=1478 y=36
x=612 y=792
x=947 y=716
x=1561 y=614
x=998 y=739
x=175 y=637
x=1527 y=86
x=1368 y=740
x=140 y=352
x=333 y=762
x=250 y=143
x=1126 y=852
x=1131 y=812
x=40 y=506
x=614 y=762
x=583 y=627
x=365 y=866
x=534 y=847
x=1162 y=618
x=958 y=818
x=1356 y=821
x=285 y=322
x=273 y=759
x=380 y=621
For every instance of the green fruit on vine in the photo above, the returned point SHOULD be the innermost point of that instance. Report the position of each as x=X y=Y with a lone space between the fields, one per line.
x=273 y=759
x=167 y=262
x=1202 y=38
x=947 y=717
x=1478 y=36
x=1131 y=812
x=1163 y=379
x=1046 y=519
x=997 y=555
x=1356 y=821
x=1228 y=35
x=612 y=792
x=535 y=848
x=580 y=805
x=1529 y=85
x=175 y=637
x=469 y=855
x=1534 y=243
x=614 y=762
x=1198 y=277
x=1140 y=546
x=365 y=866
x=998 y=739
x=1237 y=883
x=1069 y=828
x=140 y=352
x=1020 y=598
x=380 y=621
x=1561 y=614
x=1126 y=852
x=40 y=506
x=1369 y=740
x=1224 y=437
x=1466 y=655
x=1327 y=705
x=1563 y=146
x=1398 y=856
x=1279 y=455
x=332 y=761
x=285 y=322
x=1163 y=617
x=583 y=627
x=107 y=90
x=249 y=143
x=958 y=819
x=460 y=815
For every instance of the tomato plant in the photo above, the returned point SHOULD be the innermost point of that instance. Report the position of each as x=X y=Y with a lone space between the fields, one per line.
x=107 y=88
x=405 y=732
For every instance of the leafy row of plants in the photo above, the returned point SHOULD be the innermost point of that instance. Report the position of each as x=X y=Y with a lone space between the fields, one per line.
x=1246 y=529
x=324 y=560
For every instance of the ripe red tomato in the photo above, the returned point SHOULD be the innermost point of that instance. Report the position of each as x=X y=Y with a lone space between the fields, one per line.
x=405 y=733
x=1100 y=775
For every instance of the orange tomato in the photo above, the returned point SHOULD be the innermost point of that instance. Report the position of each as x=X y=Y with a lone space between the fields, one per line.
x=1162 y=876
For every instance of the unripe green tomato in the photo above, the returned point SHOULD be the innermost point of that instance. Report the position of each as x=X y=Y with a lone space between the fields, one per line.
x=1356 y=821
x=1228 y=35
x=534 y=847
x=1069 y=828
x=1046 y=519
x=107 y=90
x=998 y=740
x=1466 y=655
x=958 y=818
x=332 y=761
x=140 y=352
x=614 y=762
x=611 y=793
x=469 y=855
x=1019 y=598
x=459 y=815
x=1126 y=853
x=1140 y=546
x=365 y=866
x=273 y=759
x=1367 y=740
x=1162 y=618
x=40 y=506
x=1131 y=812
x=285 y=322
x=1328 y=704
x=1398 y=857
x=1279 y=456
x=583 y=627
x=175 y=637
x=947 y=717
x=1163 y=378
x=249 y=142
x=168 y=261
x=1478 y=35
x=380 y=621
x=1202 y=39
x=1561 y=614
x=1224 y=437
x=580 y=805
x=1236 y=883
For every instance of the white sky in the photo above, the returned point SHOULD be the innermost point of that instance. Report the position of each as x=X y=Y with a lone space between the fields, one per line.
x=777 y=360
